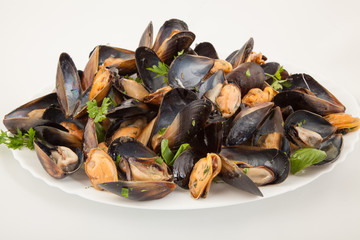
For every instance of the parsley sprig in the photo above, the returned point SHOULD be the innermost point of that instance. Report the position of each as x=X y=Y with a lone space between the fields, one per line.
x=276 y=84
x=98 y=113
x=19 y=140
x=161 y=69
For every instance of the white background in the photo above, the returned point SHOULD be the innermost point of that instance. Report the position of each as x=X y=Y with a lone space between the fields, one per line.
x=323 y=36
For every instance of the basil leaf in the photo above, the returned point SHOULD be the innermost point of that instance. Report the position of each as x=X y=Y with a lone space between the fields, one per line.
x=166 y=153
x=304 y=158
x=181 y=149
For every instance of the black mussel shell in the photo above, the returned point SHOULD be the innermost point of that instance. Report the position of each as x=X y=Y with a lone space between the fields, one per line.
x=206 y=49
x=147 y=58
x=273 y=159
x=247 y=76
x=128 y=109
x=239 y=56
x=217 y=78
x=233 y=175
x=310 y=121
x=58 y=136
x=209 y=138
x=44 y=152
x=332 y=147
x=147 y=37
x=139 y=190
x=68 y=85
x=130 y=147
x=166 y=29
x=246 y=122
x=183 y=166
x=187 y=71
x=173 y=102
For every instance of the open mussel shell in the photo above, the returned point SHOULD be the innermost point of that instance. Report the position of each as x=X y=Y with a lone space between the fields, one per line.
x=206 y=49
x=234 y=176
x=58 y=137
x=143 y=169
x=167 y=29
x=68 y=85
x=185 y=126
x=147 y=58
x=130 y=147
x=98 y=57
x=140 y=190
x=184 y=164
x=246 y=122
x=247 y=76
x=302 y=99
x=332 y=147
x=272 y=159
x=147 y=37
x=239 y=56
x=212 y=86
x=311 y=122
x=58 y=161
x=202 y=174
x=30 y=114
x=90 y=137
x=173 y=102
x=302 y=80
x=131 y=89
x=128 y=109
x=271 y=133
x=187 y=71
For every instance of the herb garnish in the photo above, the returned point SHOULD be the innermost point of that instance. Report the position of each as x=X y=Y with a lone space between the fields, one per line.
x=277 y=80
x=304 y=158
x=159 y=160
x=193 y=122
x=245 y=170
x=161 y=69
x=98 y=113
x=247 y=74
x=162 y=130
x=125 y=192
x=168 y=155
x=118 y=160
x=19 y=140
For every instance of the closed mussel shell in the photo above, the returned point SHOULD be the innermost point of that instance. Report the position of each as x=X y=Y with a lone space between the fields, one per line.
x=332 y=147
x=187 y=71
x=206 y=49
x=147 y=36
x=247 y=76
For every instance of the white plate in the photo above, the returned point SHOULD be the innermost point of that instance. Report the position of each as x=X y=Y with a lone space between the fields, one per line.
x=220 y=194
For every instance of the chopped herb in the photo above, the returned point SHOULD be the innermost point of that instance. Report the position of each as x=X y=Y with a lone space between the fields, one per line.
x=304 y=158
x=188 y=131
x=207 y=169
x=282 y=123
x=166 y=153
x=193 y=122
x=124 y=92
x=161 y=69
x=159 y=160
x=98 y=113
x=112 y=101
x=277 y=80
x=245 y=170
x=125 y=192
x=181 y=52
x=118 y=160
x=196 y=89
x=135 y=133
x=131 y=189
x=17 y=141
x=138 y=80
x=248 y=72
x=162 y=130
x=143 y=190
x=299 y=124
x=182 y=148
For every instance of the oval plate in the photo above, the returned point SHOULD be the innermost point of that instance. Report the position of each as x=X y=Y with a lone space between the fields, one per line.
x=220 y=194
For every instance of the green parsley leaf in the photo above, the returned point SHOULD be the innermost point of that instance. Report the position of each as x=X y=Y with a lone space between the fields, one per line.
x=17 y=141
x=245 y=170
x=98 y=113
x=193 y=122
x=181 y=52
x=125 y=192
x=112 y=101
x=100 y=132
x=277 y=80
x=162 y=130
x=196 y=89
x=138 y=80
x=304 y=158
x=248 y=72
x=161 y=69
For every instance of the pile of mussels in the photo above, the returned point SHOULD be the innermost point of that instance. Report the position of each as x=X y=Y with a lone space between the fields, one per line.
x=225 y=109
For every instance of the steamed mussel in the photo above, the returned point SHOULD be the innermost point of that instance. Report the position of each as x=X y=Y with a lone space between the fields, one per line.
x=141 y=122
